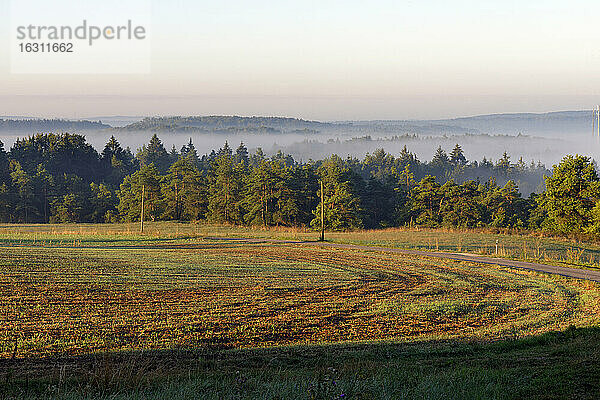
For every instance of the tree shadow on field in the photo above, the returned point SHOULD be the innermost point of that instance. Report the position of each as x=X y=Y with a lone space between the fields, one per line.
x=553 y=365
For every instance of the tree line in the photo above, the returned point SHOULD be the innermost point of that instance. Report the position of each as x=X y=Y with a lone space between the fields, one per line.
x=57 y=178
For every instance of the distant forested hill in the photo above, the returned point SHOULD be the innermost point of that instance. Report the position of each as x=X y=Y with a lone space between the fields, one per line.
x=34 y=125
x=226 y=124
x=553 y=123
x=275 y=125
x=544 y=124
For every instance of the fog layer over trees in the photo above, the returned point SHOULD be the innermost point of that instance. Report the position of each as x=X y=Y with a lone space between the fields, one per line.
x=534 y=137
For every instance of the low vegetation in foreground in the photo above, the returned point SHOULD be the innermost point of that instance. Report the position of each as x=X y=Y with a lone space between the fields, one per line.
x=557 y=365
x=122 y=315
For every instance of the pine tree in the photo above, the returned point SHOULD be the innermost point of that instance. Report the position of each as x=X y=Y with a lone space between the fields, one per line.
x=440 y=164
x=173 y=155
x=7 y=197
x=378 y=204
x=261 y=190
x=189 y=151
x=342 y=204
x=25 y=210
x=503 y=164
x=74 y=203
x=130 y=195
x=257 y=157
x=425 y=201
x=225 y=150
x=112 y=148
x=298 y=197
x=117 y=162
x=4 y=166
x=225 y=189
x=183 y=191
x=241 y=155
x=457 y=156
x=460 y=205
x=103 y=204
x=571 y=193
x=156 y=154
x=44 y=189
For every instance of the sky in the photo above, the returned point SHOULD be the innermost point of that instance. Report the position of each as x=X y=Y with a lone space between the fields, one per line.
x=332 y=60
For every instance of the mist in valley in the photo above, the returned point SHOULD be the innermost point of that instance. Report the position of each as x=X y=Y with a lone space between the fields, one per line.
x=534 y=140
x=547 y=150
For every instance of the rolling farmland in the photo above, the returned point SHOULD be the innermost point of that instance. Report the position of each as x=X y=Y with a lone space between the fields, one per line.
x=67 y=296
x=77 y=301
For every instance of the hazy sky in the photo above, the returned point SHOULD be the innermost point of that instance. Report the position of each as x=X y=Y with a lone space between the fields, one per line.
x=334 y=60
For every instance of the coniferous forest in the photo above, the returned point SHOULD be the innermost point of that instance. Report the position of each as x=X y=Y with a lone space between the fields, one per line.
x=59 y=178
